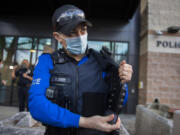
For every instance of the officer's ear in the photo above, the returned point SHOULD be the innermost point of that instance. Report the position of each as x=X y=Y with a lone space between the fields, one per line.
x=58 y=37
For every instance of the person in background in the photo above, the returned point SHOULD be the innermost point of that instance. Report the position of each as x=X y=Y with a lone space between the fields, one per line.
x=24 y=76
x=48 y=49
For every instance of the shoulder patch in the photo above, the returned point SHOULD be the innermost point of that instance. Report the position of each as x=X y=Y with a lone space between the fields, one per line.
x=36 y=81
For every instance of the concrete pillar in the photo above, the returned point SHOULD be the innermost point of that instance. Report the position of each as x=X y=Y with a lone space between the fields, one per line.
x=176 y=128
x=159 y=52
x=149 y=122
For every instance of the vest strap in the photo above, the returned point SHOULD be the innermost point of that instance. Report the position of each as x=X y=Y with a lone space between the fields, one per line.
x=117 y=91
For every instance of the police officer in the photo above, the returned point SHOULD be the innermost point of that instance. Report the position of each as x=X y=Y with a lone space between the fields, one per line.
x=69 y=91
x=24 y=75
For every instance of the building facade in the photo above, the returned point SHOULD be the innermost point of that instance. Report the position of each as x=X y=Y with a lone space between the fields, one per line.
x=159 y=67
x=24 y=37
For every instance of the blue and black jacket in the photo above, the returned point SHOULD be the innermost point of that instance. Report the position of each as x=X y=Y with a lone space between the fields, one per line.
x=50 y=113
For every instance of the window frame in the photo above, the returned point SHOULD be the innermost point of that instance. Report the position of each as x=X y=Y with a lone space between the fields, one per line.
x=26 y=36
x=113 y=47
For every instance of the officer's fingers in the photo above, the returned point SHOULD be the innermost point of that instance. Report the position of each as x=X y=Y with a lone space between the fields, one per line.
x=125 y=67
x=121 y=69
x=123 y=81
x=121 y=65
x=118 y=123
x=130 y=69
x=109 y=118
x=112 y=127
x=122 y=62
x=125 y=71
x=126 y=77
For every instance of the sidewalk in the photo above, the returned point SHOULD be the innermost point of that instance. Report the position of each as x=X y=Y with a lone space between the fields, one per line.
x=127 y=120
x=7 y=111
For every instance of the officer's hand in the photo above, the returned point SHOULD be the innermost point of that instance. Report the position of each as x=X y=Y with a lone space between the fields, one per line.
x=99 y=123
x=25 y=75
x=125 y=71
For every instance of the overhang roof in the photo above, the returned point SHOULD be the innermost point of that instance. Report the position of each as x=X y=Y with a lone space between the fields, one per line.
x=119 y=9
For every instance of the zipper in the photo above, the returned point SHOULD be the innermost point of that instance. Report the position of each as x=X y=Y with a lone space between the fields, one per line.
x=76 y=89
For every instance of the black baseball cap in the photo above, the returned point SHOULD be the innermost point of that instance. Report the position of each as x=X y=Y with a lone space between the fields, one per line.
x=67 y=17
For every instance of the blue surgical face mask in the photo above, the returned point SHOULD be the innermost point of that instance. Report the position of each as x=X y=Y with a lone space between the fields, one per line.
x=77 y=45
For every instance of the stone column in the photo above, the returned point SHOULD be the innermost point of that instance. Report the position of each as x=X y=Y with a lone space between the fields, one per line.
x=159 y=52
x=176 y=129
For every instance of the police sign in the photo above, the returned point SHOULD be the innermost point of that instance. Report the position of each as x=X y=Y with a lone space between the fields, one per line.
x=163 y=44
x=168 y=44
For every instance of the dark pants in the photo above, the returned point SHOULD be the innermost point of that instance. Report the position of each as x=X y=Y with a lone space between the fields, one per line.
x=2 y=94
x=23 y=96
x=72 y=131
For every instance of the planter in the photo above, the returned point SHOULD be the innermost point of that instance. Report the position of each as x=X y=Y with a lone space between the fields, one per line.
x=149 y=122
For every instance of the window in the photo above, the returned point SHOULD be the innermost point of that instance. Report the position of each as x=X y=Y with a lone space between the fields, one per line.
x=25 y=43
x=7 y=54
x=8 y=41
x=43 y=42
x=59 y=46
x=119 y=49
x=30 y=48
x=97 y=45
x=15 y=49
x=7 y=49
x=21 y=55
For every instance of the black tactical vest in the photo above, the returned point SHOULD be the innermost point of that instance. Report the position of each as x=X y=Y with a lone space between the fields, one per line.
x=81 y=89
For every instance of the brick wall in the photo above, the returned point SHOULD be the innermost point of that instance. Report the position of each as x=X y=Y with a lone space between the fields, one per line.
x=143 y=77
x=159 y=14
x=163 y=13
x=159 y=67
x=160 y=73
x=163 y=78
x=143 y=71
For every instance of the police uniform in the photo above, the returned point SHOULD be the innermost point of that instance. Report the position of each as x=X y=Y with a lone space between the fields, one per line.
x=24 y=85
x=64 y=89
x=80 y=87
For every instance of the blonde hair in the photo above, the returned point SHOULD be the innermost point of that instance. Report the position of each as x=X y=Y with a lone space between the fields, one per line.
x=25 y=61
x=48 y=49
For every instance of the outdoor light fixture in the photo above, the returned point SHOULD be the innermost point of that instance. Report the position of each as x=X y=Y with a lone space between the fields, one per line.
x=173 y=29
x=159 y=32
x=32 y=50
x=11 y=67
